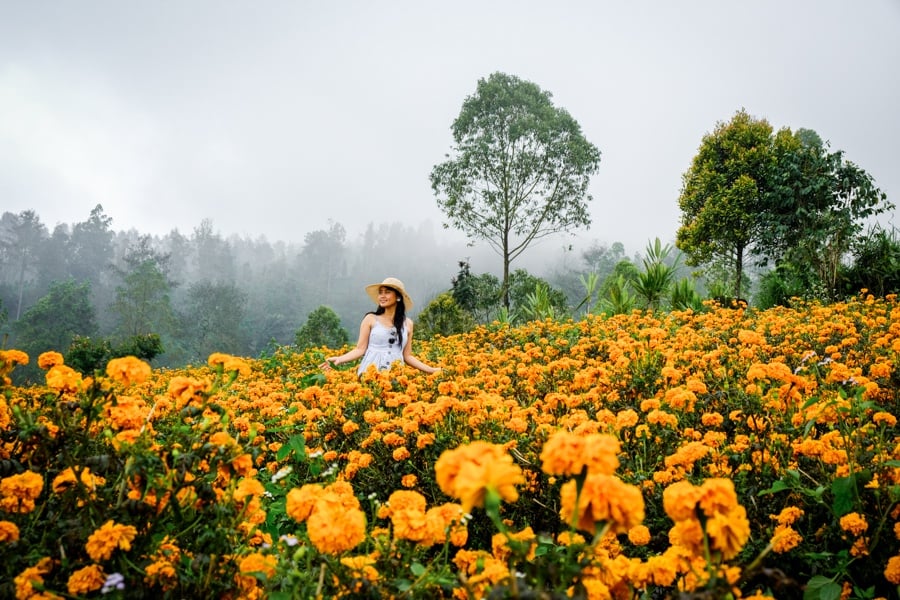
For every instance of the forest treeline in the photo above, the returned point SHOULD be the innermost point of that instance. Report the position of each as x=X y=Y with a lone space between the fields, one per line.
x=201 y=292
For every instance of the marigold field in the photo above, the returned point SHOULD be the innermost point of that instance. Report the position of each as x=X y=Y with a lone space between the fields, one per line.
x=727 y=453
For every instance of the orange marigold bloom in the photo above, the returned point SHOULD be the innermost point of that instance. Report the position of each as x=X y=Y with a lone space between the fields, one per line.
x=362 y=567
x=185 y=389
x=50 y=359
x=468 y=472
x=788 y=515
x=400 y=453
x=86 y=580
x=603 y=499
x=884 y=418
x=18 y=492
x=66 y=480
x=680 y=500
x=566 y=453
x=729 y=531
x=9 y=532
x=639 y=535
x=854 y=523
x=111 y=535
x=229 y=363
x=892 y=570
x=26 y=580
x=63 y=379
x=300 y=501
x=717 y=495
x=409 y=480
x=335 y=525
x=128 y=370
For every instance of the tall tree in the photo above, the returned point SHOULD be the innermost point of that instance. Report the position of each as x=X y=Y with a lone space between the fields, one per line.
x=213 y=318
x=54 y=320
x=143 y=299
x=519 y=169
x=722 y=199
x=819 y=207
x=91 y=249
x=322 y=263
x=21 y=237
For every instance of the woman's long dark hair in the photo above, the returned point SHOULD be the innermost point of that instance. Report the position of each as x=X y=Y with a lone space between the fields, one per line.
x=399 y=315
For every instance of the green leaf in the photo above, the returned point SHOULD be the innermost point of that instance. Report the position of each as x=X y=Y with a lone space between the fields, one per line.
x=777 y=486
x=844 y=490
x=821 y=588
x=417 y=569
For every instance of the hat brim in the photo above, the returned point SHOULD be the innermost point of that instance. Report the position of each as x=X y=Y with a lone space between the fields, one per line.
x=372 y=291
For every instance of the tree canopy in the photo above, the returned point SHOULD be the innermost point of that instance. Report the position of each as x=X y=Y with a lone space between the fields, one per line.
x=519 y=169
x=779 y=197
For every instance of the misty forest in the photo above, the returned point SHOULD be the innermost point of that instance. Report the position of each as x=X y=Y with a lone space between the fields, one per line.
x=766 y=216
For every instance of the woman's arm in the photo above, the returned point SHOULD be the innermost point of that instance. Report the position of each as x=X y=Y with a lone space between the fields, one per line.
x=408 y=357
x=365 y=328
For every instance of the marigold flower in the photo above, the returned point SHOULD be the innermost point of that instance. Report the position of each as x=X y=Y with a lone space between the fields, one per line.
x=18 y=492
x=50 y=359
x=9 y=532
x=31 y=576
x=567 y=453
x=785 y=538
x=468 y=472
x=892 y=570
x=362 y=567
x=229 y=363
x=409 y=480
x=86 y=580
x=639 y=535
x=854 y=523
x=300 y=501
x=729 y=531
x=788 y=515
x=128 y=370
x=333 y=527
x=111 y=535
x=13 y=357
x=184 y=389
x=680 y=500
x=63 y=379
x=603 y=499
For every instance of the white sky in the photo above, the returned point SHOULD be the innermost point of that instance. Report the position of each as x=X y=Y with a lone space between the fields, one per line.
x=272 y=118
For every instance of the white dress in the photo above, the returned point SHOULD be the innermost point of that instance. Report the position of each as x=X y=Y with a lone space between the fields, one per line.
x=384 y=348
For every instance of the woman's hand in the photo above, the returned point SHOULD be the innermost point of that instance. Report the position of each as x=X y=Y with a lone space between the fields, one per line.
x=329 y=361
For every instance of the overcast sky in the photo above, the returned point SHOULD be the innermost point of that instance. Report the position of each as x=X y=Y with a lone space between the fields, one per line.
x=272 y=118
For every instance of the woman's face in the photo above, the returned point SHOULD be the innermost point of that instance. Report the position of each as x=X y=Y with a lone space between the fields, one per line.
x=386 y=296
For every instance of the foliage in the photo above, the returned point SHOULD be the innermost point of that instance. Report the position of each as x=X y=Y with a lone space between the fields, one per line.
x=533 y=298
x=143 y=300
x=780 y=197
x=89 y=355
x=65 y=312
x=322 y=328
x=479 y=295
x=818 y=208
x=519 y=171
x=212 y=317
x=722 y=200
x=653 y=284
x=875 y=264
x=443 y=316
x=723 y=453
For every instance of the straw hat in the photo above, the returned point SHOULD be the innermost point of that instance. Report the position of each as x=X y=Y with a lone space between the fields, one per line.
x=394 y=284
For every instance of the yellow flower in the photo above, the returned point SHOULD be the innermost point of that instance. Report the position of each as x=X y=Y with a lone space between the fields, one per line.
x=336 y=525
x=729 y=531
x=468 y=472
x=785 y=538
x=603 y=499
x=892 y=570
x=854 y=523
x=639 y=535
x=86 y=580
x=111 y=535
x=680 y=500
x=26 y=580
x=409 y=480
x=63 y=379
x=50 y=359
x=302 y=500
x=9 y=532
x=566 y=453
x=18 y=492
x=128 y=370
x=229 y=363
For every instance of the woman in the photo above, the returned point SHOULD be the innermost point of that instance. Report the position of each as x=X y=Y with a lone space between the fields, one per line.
x=385 y=336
